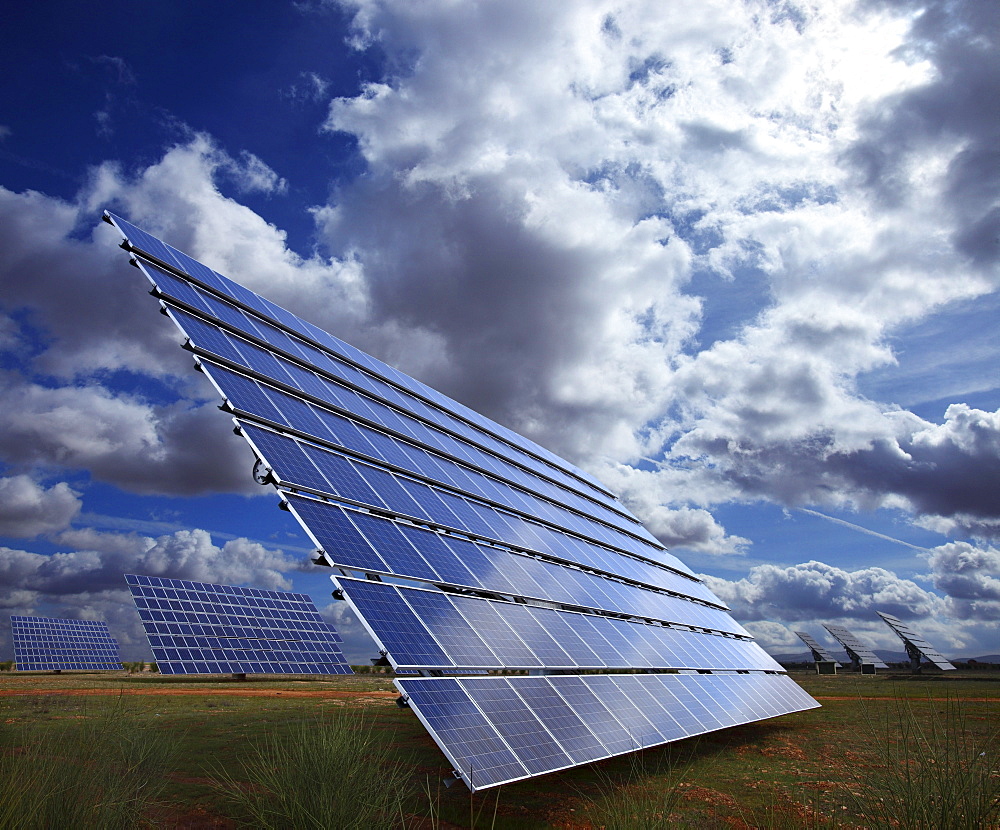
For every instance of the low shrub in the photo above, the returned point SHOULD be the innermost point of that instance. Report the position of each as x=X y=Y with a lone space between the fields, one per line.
x=332 y=771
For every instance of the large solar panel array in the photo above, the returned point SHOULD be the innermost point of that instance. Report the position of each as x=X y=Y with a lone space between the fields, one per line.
x=916 y=646
x=54 y=644
x=819 y=652
x=200 y=628
x=859 y=653
x=464 y=547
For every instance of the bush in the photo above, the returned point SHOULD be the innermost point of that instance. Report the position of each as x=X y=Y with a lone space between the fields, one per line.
x=102 y=770
x=328 y=772
x=6 y=665
x=646 y=798
x=942 y=776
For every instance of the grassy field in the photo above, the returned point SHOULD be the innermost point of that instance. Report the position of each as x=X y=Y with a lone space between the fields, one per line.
x=215 y=753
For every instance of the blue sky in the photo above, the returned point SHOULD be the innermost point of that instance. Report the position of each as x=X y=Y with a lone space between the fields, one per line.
x=737 y=259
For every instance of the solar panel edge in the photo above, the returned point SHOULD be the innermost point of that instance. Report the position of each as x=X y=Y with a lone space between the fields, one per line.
x=322 y=495
x=214 y=358
x=465 y=604
x=259 y=420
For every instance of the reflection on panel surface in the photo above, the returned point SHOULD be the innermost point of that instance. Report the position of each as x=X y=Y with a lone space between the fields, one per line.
x=465 y=548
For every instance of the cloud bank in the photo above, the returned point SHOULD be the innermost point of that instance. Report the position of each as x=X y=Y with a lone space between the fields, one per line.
x=672 y=243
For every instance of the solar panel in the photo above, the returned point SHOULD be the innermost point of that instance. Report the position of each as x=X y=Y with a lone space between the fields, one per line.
x=501 y=729
x=200 y=628
x=819 y=652
x=860 y=654
x=53 y=644
x=916 y=646
x=465 y=548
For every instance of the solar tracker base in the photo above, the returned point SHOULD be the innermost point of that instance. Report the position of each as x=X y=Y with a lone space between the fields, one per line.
x=495 y=730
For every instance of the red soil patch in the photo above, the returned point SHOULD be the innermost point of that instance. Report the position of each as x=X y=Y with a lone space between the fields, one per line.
x=329 y=694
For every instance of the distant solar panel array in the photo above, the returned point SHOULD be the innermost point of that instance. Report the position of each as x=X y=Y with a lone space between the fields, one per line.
x=916 y=646
x=54 y=644
x=819 y=652
x=201 y=628
x=464 y=547
x=860 y=654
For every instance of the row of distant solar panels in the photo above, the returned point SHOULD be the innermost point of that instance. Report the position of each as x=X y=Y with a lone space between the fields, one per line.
x=495 y=730
x=419 y=628
x=208 y=629
x=370 y=543
x=53 y=644
x=380 y=379
x=857 y=650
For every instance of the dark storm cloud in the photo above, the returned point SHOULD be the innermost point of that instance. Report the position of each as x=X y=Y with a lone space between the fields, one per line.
x=178 y=449
x=948 y=470
x=957 y=110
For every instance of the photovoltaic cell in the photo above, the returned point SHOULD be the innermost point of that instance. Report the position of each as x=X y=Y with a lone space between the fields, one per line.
x=916 y=646
x=524 y=562
x=201 y=628
x=54 y=644
x=819 y=653
x=857 y=650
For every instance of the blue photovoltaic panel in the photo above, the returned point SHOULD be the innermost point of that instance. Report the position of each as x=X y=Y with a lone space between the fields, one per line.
x=915 y=643
x=525 y=561
x=416 y=396
x=501 y=729
x=819 y=653
x=857 y=650
x=472 y=632
x=353 y=539
x=200 y=628
x=53 y=644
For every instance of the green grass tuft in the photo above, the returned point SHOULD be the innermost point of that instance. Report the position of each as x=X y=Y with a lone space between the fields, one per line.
x=331 y=771
x=101 y=769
